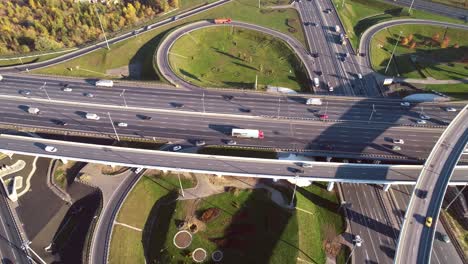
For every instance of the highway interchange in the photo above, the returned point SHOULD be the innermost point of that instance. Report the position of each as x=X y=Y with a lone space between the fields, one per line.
x=354 y=129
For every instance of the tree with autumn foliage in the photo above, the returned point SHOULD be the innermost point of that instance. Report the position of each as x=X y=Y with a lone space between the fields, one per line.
x=445 y=42
x=404 y=41
x=436 y=37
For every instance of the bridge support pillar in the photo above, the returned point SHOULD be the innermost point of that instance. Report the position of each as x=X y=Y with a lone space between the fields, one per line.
x=386 y=187
x=330 y=186
x=64 y=161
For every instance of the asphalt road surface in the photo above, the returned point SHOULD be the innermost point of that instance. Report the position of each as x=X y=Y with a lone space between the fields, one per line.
x=329 y=138
x=441 y=252
x=374 y=219
x=417 y=236
x=102 y=234
x=234 y=166
x=436 y=8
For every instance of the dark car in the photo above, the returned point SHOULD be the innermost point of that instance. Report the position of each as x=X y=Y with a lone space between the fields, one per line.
x=144 y=117
x=61 y=123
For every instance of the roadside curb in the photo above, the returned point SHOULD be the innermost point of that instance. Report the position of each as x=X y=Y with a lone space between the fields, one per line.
x=53 y=186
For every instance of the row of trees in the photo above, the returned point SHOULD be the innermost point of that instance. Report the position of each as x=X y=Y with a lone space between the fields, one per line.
x=435 y=41
x=42 y=25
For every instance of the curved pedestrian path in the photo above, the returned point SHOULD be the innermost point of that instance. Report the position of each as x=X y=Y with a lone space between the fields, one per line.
x=162 y=54
x=366 y=38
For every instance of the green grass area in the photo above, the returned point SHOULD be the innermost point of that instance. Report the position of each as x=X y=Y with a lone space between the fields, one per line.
x=359 y=15
x=38 y=58
x=138 y=51
x=460 y=233
x=126 y=244
x=429 y=58
x=251 y=228
x=457 y=91
x=233 y=57
x=238 y=152
x=149 y=189
x=455 y=3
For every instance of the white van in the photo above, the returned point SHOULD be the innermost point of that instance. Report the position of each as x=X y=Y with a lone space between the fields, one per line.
x=92 y=116
x=1 y=77
x=33 y=110
x=337 y=28
x=314 y=101
x=105 y=83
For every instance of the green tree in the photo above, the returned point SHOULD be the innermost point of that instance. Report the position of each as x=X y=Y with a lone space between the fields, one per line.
x=45 y=43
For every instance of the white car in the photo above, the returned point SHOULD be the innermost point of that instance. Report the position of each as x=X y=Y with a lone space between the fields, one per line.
x=424 y=117
x=122 y=124
x=405 y=104
x=398 y=141
x=359 y=76
x=90 y=95
x=92 y=116
x=396 y=148
x=421 y=122
x=450 y=109
x=50 y=149
x=67 y=89
x=138 y=170
x=358 y=240
x=177 y=148
x=306 y=165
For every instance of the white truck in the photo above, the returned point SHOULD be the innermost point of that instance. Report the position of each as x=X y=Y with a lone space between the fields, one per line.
x=316 y=82
x=337 y=29
x=314 y=101
x=105 y=83
x=1 y=77
x=247 y=133
x=33 y=110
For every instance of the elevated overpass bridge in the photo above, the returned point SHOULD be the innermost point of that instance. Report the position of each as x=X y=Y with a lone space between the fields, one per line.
x=221 y=165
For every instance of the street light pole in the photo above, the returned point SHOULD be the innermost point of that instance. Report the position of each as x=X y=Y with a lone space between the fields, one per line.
x=394 y=48
x=203 y=101
x=102 y=28
x=279 y=103
x=357 y=243
x=112 y=123
x=27 y=248
x=294 y=191
x=122 y=94
x=411 y=6
x=456 y=196
x=45 y=90
x=372 y=113
x=180 y=183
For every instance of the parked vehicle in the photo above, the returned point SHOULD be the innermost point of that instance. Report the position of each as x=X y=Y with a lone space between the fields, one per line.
x=92 y=116
x=105 y=83
x=33 y=110
x=314 y=101
x=222 y=21
x=247 y=133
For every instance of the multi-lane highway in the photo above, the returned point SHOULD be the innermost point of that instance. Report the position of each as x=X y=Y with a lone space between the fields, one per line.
x=330 y=60
x=417 y=234
x=228 y=102
x=436 y=8
x=221 y=165
x=335 y=138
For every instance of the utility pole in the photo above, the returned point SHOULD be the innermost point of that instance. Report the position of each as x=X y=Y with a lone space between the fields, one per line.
x=45 y=90
x=122 y=94
x=258 y=4
x=394 y=48
x=112 y=123
x=102 y=28
x=456 y=196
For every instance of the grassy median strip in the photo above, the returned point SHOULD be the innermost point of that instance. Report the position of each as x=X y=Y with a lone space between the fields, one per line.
x=457 y=91
x=133 y=58
x=238 y=152
x=424 y=51
x=234 y=57
x=359 y=15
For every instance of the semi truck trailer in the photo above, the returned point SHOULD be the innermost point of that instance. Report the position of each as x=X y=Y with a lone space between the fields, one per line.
x=247 y=133
x=222 y=20
x=105 y=83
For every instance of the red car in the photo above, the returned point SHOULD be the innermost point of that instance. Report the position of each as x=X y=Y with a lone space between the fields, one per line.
x=323 y=116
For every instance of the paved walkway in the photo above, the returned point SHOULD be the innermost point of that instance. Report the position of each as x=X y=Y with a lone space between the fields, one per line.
x=92 y=174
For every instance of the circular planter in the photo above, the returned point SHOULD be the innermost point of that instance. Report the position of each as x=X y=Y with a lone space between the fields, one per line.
x=182 y=239
x=199 y=255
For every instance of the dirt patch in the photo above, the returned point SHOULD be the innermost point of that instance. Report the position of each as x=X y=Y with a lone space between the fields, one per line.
x=332 y=243
x=108 y=170
x=209 y=214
